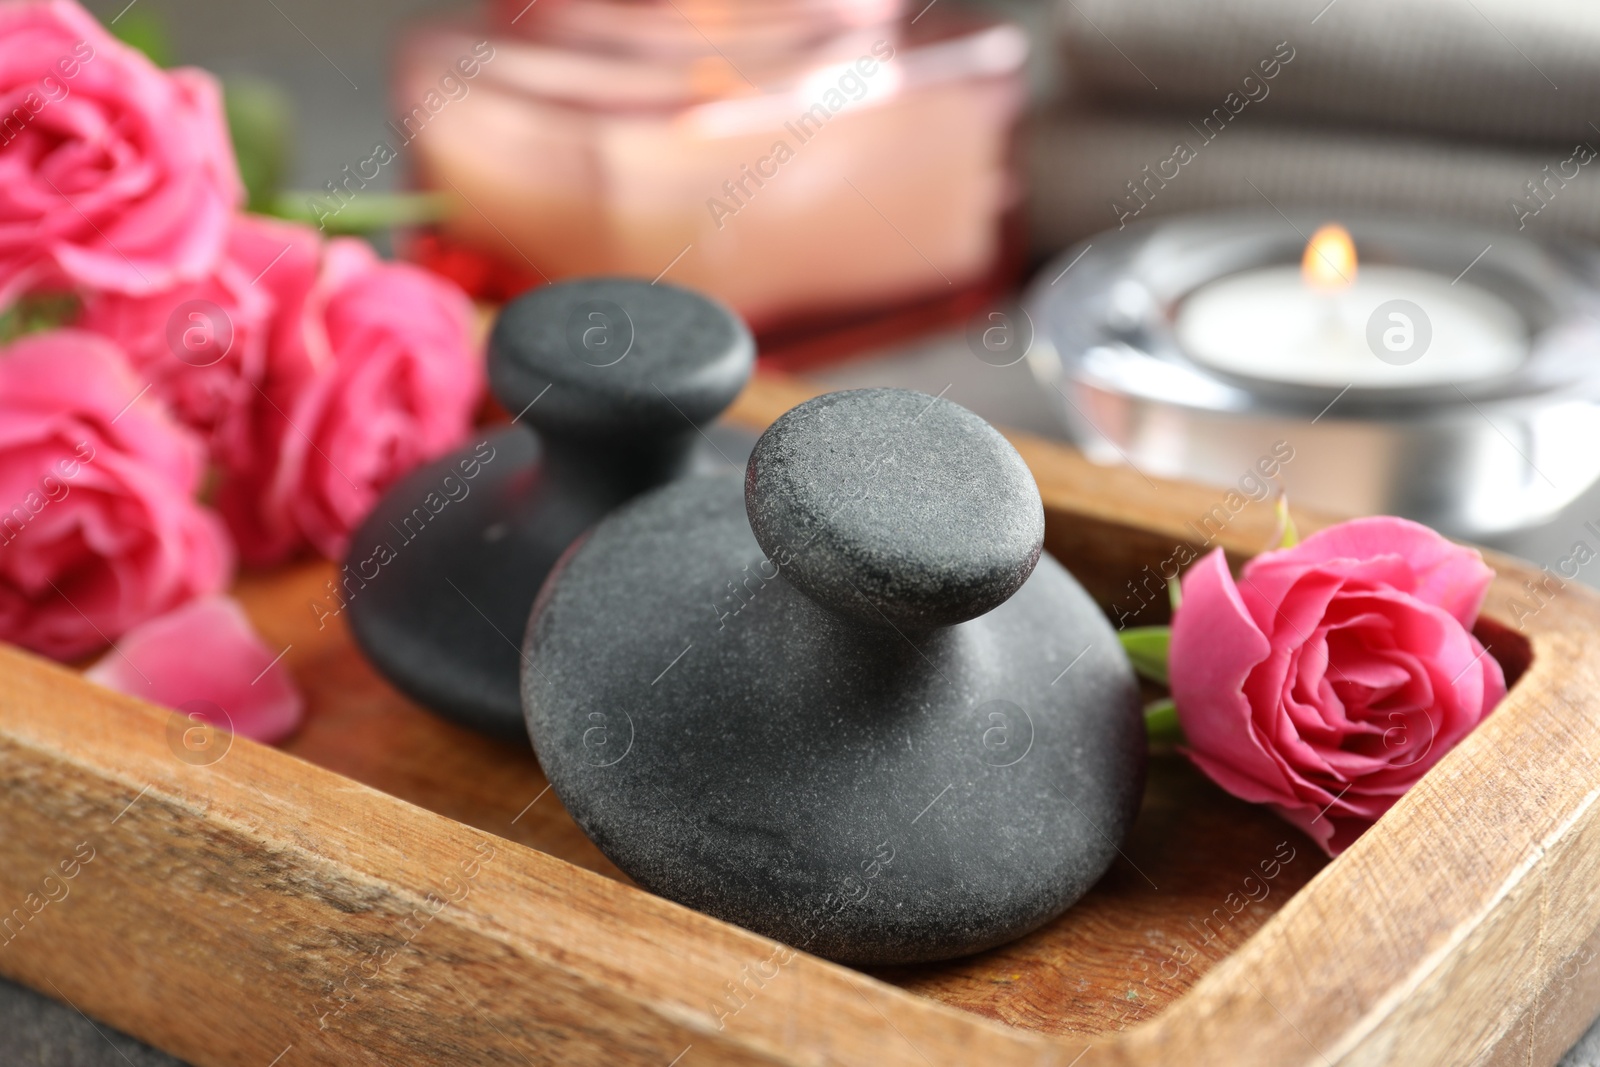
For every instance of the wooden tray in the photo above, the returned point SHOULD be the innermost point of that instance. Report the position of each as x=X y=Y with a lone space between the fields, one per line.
x=392 y=890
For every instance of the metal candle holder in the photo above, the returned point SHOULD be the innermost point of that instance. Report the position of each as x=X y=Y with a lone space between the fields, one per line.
x=1474 y=460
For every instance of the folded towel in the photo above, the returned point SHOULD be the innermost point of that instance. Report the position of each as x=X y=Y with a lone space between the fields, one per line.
x=1092 y=170
x=1474 y=68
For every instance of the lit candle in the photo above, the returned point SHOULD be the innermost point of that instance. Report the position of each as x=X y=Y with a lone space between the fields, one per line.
x=1332 y=323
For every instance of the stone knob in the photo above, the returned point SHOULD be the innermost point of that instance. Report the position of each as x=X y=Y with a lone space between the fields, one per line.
x=894 y=508
x=617 y=360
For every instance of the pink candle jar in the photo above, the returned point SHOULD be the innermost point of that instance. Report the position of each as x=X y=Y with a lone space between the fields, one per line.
x=806 y=161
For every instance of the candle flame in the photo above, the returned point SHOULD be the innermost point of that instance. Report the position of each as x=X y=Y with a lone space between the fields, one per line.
x=1329 y=263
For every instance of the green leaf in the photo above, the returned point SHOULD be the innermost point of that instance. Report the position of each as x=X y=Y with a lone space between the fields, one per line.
x=1146 y=647
x=1290 y=536
x=36 y=313
x=1161 y=723
x=1174 y=594
x=145 y=30
x=259 y=122
x=362 y=214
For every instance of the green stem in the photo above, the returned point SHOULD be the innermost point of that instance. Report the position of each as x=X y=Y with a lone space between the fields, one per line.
x=1161 y=723
x=1147 y=647
x=361 y=214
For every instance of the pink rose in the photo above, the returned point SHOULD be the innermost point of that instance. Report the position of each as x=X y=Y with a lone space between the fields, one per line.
x=202 y=345
x=285 y=259
x=206 y=659
x=382 y=377
x=99 y=529
x=1335 y=673
x=114 y=174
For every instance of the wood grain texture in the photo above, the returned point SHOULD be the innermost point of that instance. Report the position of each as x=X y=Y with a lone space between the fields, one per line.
x=361 y=727
x=231 y=912
x=262 y=905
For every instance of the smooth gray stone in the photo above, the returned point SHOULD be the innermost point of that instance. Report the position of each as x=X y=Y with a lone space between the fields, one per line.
x=894 y=507
x=615 y=375
x=443 y=618
x=623 y=359
x=862 y=794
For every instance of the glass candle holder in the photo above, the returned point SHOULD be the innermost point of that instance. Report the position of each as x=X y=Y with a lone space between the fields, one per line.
x=1472 y=405
x=802 y=160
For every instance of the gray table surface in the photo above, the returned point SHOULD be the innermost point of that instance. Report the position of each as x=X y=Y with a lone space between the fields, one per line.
x=332 y=60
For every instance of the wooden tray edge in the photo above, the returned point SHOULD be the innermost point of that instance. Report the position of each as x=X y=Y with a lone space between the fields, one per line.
x=222 y=903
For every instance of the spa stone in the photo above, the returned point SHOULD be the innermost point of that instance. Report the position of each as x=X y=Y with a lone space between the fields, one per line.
x=875 y=790
x=609 y=382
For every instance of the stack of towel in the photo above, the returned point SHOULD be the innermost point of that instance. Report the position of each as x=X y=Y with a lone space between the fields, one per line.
x=1480 y=110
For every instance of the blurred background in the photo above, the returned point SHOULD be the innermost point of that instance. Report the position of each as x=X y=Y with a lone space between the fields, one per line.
x=872 y=185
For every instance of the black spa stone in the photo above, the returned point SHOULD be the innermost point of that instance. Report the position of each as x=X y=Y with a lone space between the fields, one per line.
x=868 y=792
x=616 y=376
x=927 y=518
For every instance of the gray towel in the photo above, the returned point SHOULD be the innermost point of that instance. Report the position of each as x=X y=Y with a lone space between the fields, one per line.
x=1088 y=172
x=1476 y=68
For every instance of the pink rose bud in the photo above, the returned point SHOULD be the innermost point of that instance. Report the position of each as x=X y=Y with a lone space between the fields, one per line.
x=1335 y=673
x=99 y=529
x=114 y=174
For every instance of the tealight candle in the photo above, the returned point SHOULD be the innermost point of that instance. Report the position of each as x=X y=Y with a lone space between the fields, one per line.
x=1188 y=348
x=1332 y=323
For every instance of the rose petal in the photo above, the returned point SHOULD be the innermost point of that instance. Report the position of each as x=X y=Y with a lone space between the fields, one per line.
x=1215 y=646
x=1334 y=830
x=210 y=388
x=1275 y=586
x=206 y=651
x=1446 y=574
